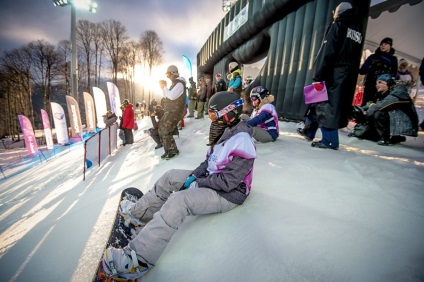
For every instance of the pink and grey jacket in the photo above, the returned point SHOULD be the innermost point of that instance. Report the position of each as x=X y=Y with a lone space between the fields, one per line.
x=228 y=168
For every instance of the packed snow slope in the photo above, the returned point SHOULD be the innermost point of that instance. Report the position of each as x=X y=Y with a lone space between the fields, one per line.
x=356 y=214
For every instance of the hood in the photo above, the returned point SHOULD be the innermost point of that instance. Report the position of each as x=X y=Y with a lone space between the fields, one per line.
x=401 y=92
x=267 y=100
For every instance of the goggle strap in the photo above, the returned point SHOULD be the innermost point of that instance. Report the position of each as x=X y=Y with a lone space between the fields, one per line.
x=230 y=108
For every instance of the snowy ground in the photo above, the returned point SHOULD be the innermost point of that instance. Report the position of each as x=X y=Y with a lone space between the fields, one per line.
x=356 y=214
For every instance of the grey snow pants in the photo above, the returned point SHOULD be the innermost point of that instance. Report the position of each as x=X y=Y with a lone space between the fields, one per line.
x=169 y=210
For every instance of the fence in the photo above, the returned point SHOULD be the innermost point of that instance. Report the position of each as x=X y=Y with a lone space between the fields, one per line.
x=99 y=146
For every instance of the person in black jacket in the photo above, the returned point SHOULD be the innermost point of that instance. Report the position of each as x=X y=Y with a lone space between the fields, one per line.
x=336 y=64
x=381 y=62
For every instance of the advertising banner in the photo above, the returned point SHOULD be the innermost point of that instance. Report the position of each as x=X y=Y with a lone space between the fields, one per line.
x=60 y=123
x=47 y=129
x=90 y=112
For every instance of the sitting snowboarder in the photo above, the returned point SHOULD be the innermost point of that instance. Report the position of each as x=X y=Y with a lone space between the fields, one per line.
x=393 y=114
x=219 y=184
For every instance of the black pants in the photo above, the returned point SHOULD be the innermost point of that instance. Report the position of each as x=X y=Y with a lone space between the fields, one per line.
x=382 y=124
x=129 y=137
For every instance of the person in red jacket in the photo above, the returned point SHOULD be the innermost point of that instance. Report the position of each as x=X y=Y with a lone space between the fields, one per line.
x=128 y=122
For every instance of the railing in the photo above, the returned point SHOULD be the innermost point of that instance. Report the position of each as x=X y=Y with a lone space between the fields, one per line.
x=99 y=146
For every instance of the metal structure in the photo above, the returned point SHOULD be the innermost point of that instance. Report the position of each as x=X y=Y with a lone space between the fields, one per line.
x=86 y=5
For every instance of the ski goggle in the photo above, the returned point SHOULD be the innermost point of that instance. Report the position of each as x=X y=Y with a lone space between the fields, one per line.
x=215 y=115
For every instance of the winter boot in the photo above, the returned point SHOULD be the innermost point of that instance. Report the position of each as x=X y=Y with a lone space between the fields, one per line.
x=304 y=132
x=125 y=211
x=123 y=263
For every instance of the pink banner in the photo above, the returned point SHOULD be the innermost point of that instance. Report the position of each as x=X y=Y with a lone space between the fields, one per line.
x=47 y=129
x=30 y=141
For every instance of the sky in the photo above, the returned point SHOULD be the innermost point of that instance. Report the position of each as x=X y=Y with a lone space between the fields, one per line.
x=355 y=214
x=183 y=26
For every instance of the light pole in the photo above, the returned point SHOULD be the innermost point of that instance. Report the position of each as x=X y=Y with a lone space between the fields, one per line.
x=86 y=5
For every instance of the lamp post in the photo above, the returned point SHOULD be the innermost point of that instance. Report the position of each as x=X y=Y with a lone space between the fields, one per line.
x=86 y=5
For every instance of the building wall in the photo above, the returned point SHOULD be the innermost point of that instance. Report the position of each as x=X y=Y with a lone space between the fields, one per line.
x=288 y=33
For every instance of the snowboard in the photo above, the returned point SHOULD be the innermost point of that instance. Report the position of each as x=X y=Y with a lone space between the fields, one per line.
x=119 y=236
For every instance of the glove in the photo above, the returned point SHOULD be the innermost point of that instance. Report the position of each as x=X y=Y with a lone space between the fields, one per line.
x=318 y=86
x=189 y=180
x=193 y=184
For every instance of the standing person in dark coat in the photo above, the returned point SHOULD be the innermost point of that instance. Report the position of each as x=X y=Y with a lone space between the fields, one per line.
x=337 y=64
x=422 y=82
x=381 y=62
x=192 y=97
x=128 y=122
x=220 y=85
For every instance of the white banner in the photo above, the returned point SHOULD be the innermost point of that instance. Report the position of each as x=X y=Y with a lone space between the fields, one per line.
x=60 y=123
x=90 y=113
x=101 y=108
x=115 y=100
x=74 y=117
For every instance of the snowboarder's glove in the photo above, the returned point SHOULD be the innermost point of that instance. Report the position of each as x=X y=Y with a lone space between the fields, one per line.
x=189 y=180
x=193 y=184
x=318 y=86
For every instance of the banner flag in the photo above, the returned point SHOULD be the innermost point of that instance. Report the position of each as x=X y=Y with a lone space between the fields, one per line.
x=60 y=123
x=74 y=117
x=187 y=68
x=30 y=141
x=90 y=113
x=101 y=108
x=47 y=129
x=115 y=100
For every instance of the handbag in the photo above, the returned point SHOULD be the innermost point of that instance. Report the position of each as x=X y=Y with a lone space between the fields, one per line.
x=314 y=96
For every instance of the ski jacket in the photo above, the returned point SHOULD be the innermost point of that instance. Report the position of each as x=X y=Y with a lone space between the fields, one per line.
x=109 y=120
x=235 y=83
x=175 y=99
x=220 y=86
x=401 y=109
x=228 y=168
x=337 y=64
x=266 y=117
x=128 y=117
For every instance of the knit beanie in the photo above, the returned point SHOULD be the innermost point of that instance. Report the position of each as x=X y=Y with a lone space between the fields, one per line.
x=387 y=40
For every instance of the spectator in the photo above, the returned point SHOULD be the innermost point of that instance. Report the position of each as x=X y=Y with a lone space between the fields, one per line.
x=109 y=118
x=382 y=61
x=422 y=82
x=192 y=97
x=220 y=84
x=394 y=112
x=128 y=122
x=336 y=64
x=247 y=82
x=201 y=98
x=235 y=81
x=174 y=105
x=404 y=75
x=264 y=118
x=209 y=92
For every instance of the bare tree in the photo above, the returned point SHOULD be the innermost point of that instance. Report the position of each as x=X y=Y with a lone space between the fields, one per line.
x=114 y=40
x=16 y=88
x=98 y=46
x=45 y=67
x=152 y=50
x=64 y=69
x=85 y=36
x=129 y=59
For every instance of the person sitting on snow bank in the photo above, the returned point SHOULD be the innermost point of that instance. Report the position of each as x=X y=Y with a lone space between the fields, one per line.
x=394 y=113
x=219 y=184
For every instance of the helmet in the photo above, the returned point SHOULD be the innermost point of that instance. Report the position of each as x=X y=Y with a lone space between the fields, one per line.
x=225 y=107
x=125 y=102
x=172 y=70
x=259 y=92
x=340 y=9
x=233 y=66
